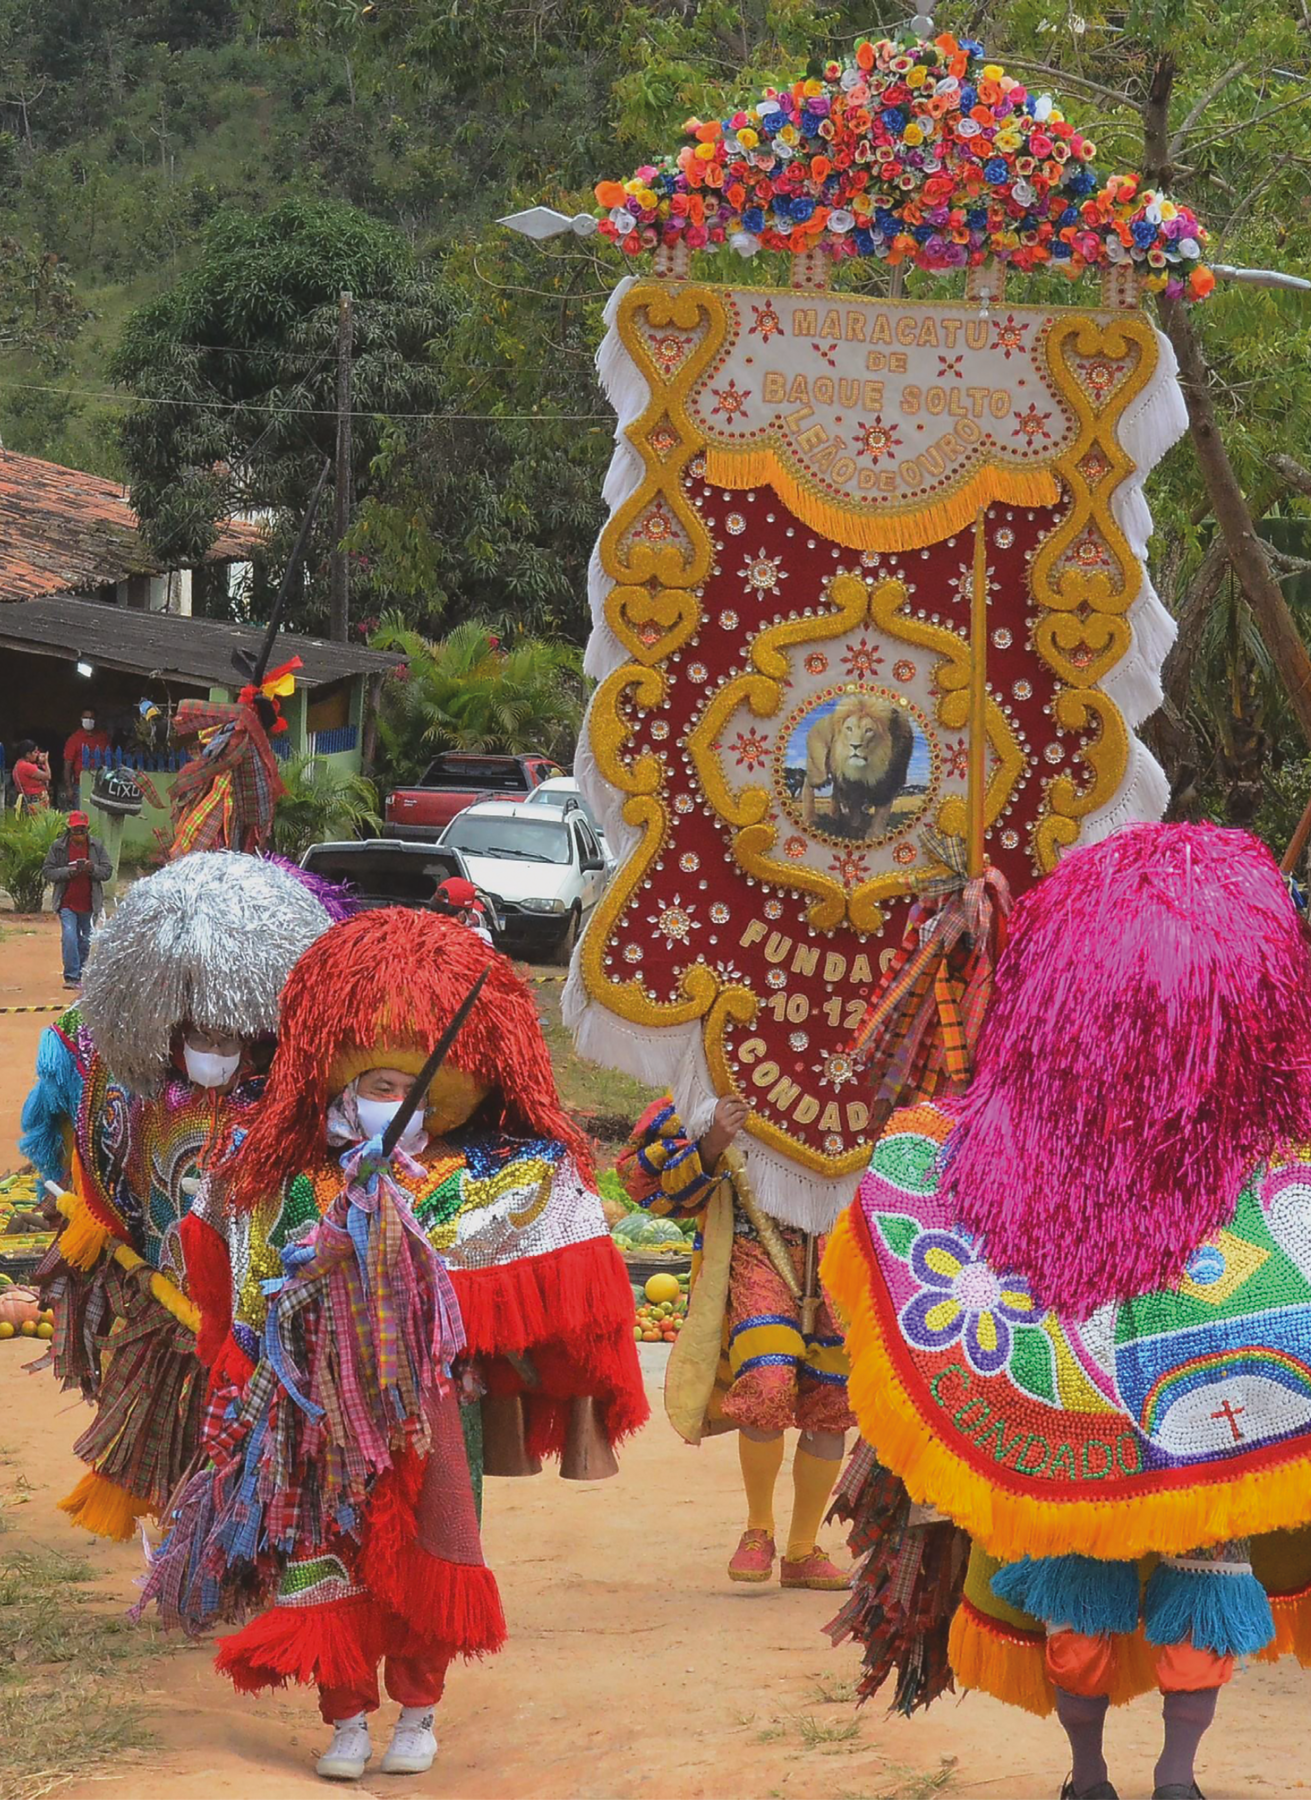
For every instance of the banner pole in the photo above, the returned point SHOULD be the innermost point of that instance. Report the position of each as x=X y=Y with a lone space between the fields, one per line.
x=977 y=787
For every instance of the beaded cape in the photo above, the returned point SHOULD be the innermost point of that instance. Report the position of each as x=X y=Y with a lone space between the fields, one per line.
x=484 y=1202
x=1176 y=1418
x=141 y=1160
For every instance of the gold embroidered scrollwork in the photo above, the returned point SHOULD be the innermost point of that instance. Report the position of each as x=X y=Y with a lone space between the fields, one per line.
x=645 y=811
x=653 y=608
x=762 y=689
x=1086 y=575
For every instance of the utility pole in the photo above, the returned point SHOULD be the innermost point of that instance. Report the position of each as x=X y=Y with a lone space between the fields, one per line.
x=339 y=618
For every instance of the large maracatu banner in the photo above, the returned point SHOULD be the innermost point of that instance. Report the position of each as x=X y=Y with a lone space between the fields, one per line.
x=857 y=547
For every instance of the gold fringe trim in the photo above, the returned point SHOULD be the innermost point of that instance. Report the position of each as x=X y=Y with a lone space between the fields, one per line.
x=1292 y=1616
x=988 y=1655
x=102 y=1507
x=83 y=1239
x=873 y=527
x=84 y=1232
x=1011 y=1525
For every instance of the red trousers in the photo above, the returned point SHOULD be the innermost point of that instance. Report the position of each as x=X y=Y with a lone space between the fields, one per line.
x=410 y=1680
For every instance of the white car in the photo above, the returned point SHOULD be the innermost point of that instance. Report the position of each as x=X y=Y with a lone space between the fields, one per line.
x=563 y=791
x=542 y=868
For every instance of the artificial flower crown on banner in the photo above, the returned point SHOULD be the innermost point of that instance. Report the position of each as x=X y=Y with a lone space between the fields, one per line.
x=919 y=152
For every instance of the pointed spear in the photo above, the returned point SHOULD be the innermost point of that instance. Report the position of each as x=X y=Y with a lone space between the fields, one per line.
x=423 y=1080
x=254 y=668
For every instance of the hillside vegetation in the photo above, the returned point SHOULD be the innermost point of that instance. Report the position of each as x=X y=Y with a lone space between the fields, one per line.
x=185 y=185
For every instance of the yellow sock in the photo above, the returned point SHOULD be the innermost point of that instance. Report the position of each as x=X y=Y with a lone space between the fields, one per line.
x=813 y=1480
x=761 y=1462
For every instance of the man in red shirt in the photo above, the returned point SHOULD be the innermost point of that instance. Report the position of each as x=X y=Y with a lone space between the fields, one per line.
x=78 y=865
x=86 y=738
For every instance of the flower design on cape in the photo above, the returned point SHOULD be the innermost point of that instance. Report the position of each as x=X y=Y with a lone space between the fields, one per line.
x=962 y=1300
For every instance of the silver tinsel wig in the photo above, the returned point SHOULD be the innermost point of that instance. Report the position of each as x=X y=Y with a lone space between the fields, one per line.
x=208 y=939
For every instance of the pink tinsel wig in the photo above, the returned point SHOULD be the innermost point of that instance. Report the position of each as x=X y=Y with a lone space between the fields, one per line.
x=1148 y=1043
x=393 y=976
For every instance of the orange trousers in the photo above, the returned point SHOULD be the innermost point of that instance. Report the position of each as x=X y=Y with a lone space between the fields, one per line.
x=1082 y=1665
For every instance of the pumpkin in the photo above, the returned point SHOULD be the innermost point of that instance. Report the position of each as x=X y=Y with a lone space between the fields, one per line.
x=19 y=1306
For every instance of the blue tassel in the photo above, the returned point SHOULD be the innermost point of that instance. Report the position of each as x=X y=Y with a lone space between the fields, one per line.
x=1229 y=1614
x=1092 y=1596
x=52 y=1102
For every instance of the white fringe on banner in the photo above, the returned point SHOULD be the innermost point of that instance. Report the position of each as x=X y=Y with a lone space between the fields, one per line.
x=1155 y=420
x=673 y=1057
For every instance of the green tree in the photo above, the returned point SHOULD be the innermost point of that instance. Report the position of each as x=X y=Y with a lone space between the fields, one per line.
x=234 y=369
x=471 y=692
x=40 y=312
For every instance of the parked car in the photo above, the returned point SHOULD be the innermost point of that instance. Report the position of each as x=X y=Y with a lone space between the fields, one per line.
x=563 y=791
x=454 y=781
x=388 y=872
x=542 y=867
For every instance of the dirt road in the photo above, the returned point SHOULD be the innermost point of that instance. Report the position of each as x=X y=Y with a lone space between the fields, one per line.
x=635 y=1670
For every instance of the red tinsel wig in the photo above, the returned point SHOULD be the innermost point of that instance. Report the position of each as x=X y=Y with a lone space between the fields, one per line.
x=1148 y=1043
x=393 y=977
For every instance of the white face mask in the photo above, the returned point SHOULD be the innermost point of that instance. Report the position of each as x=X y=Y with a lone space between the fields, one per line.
x=88 y=724
x=208 y=1070
x=377 y=1115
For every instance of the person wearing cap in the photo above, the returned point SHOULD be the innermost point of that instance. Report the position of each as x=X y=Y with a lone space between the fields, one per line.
x=86 y=738
x=462 y=901
x=78 y=865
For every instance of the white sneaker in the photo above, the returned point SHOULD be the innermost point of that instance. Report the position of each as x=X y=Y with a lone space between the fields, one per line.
x=348 y=1754
x=413 y=1745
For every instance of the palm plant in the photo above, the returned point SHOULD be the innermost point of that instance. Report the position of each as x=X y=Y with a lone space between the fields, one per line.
x=469 y=692
x=321 y=801
x=24 y=840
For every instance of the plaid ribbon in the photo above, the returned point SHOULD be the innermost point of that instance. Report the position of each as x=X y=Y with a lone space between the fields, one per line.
x=922 y=1023
x=150 y=1396
x=224 y=796
x=904 y=1590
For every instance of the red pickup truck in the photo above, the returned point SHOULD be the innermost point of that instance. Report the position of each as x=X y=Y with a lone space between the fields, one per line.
x=456 y=780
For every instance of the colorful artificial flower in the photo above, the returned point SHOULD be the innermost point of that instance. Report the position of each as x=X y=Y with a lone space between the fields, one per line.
x=968 y=166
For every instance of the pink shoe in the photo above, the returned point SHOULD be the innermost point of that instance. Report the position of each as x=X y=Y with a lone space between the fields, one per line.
x=813 y=1571
x=753 y=1560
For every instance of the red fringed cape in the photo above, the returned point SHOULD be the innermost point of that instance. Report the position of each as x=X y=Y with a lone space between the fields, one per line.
x=547 y=1311
x=536 y=1274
